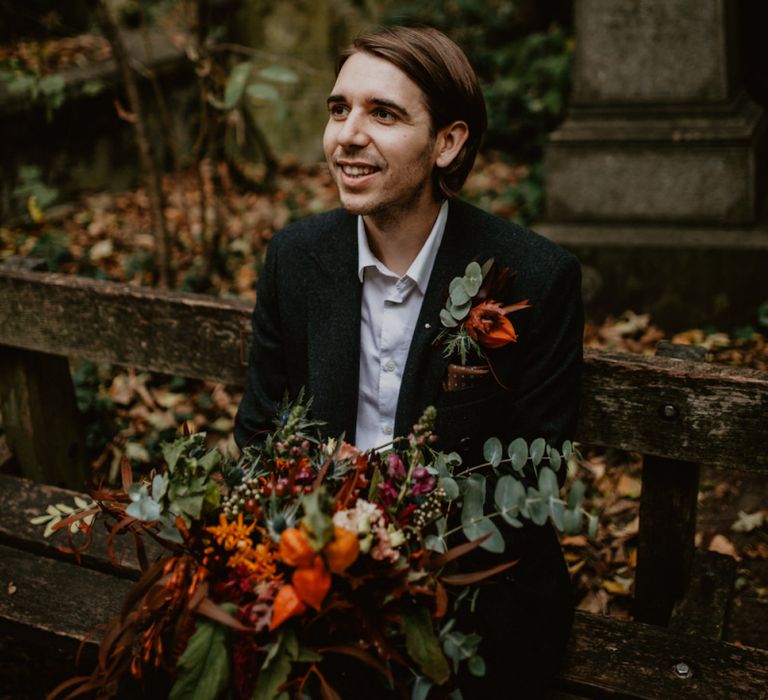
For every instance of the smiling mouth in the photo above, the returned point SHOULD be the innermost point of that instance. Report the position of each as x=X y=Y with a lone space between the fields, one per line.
x=357 y=170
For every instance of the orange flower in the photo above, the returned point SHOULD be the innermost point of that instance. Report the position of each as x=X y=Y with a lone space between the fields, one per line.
x=234 y=535
x=342 y=551
x=259 y=561
x=295 y=549
x=488 y=325
x=287 y=604
x=312 y=583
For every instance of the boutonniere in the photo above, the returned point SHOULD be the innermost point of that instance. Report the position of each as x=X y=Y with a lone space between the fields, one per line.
x=472 y=319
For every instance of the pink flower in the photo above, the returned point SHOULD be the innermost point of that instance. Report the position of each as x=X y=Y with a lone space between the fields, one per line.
x=387 y=493
x=347 y=451
x=423 y=481
x=383 y=549
x=395 y=466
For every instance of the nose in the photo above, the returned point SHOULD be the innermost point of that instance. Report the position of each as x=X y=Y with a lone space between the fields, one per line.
x=352 y=132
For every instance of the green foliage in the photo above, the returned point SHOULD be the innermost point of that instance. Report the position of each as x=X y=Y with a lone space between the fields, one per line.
x=203 y=669
x=525 y=486
x=53 y=247
x=246 y=81
x=31 y=191
x=48 y=90
x=461 y=292
x=422 y=644
x=474 y=522
x=139 y=263
x=762 y=314
x=185 y=489
x=461 y=646
x=317 y=523
x=95 y=406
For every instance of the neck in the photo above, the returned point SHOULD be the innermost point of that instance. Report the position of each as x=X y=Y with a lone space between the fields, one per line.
x=397 y=239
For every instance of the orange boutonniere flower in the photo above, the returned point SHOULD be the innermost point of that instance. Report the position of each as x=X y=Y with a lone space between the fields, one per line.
x=488 y=324
x=472 y=318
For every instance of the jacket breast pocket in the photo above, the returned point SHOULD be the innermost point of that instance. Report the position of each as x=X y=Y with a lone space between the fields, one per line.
x=466 y=417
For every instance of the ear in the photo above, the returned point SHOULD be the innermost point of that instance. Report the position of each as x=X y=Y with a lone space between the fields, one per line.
x=449 y=141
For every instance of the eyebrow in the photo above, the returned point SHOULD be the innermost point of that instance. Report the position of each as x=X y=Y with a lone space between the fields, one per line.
x=378 y=101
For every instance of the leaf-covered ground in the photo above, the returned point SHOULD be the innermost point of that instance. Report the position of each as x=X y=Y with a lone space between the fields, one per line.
x=130 y=413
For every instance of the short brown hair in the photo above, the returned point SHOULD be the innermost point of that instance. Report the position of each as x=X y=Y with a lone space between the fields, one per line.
x=451 y=89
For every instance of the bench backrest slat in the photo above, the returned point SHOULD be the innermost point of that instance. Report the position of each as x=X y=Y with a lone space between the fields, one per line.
x=696 y=412
x=190 y=335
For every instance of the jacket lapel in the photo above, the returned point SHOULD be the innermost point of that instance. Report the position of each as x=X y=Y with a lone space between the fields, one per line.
x=334 y=329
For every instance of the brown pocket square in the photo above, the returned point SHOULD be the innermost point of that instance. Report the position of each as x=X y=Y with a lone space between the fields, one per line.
x=461 y=377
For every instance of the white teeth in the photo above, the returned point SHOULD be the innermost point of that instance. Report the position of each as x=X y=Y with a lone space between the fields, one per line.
x=356 y=170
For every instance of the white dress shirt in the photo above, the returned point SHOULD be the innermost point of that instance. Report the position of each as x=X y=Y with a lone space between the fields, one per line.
x=388 y=314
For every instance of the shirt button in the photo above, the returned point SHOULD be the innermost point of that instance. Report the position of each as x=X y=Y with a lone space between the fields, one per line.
x=389 y=366
x=387 y=429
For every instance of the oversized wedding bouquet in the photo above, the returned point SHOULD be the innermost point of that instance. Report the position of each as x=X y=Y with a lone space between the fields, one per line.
x=303 y=557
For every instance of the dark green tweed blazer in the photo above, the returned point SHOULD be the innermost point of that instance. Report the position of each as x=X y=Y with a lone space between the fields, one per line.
x=307 y=334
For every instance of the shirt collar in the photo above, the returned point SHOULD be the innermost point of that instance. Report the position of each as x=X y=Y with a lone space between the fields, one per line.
x=421 y=267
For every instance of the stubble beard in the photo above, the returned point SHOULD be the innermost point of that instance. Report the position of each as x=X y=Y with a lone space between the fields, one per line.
x=387 y=213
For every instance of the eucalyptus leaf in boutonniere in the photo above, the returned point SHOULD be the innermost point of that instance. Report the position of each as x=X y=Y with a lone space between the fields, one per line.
x=472 y=319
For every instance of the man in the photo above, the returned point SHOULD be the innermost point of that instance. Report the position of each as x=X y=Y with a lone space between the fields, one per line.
x=349 y=309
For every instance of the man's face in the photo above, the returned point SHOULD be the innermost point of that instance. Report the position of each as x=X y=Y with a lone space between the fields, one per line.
x=379 y=141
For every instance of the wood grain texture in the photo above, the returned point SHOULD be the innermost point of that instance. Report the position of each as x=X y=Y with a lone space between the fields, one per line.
x=186 y=334
x=40 y=416
x=717 y=412
x=688 y=411
x=22 y=499
x=705 y=609
x=57 y=598
x=617 y=658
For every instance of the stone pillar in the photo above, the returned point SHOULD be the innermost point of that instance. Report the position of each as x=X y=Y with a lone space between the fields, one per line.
x=662 y=148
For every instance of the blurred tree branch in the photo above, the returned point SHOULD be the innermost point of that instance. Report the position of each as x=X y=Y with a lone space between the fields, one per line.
x=149 y=164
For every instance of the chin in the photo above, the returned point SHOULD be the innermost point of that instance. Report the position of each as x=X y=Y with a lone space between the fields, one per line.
x=357 y=206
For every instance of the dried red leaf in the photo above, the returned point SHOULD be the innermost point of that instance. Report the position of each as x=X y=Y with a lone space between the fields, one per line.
x=208 y=608
x=476 y=576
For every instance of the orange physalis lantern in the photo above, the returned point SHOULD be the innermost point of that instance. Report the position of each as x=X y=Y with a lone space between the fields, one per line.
x=341 y=552
x=287 y=604
x=312 y=583
x=295 y=549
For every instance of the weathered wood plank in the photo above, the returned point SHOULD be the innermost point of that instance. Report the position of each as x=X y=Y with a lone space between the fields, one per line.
x=696 y=412
x=22 y=499
x=618 y=658
x=667 y=522
x=689 y=411
x=40 y=417
x=705 y=608
x=186 y=334
x=55 y=598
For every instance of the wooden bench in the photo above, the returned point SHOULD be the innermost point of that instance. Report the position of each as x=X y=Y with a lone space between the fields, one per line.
x=677 y=412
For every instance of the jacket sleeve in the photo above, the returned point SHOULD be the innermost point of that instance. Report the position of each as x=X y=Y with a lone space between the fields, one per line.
x=267 y=376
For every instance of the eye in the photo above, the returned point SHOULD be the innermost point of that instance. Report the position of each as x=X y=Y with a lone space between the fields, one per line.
x=337 y=110
x=383 y=114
